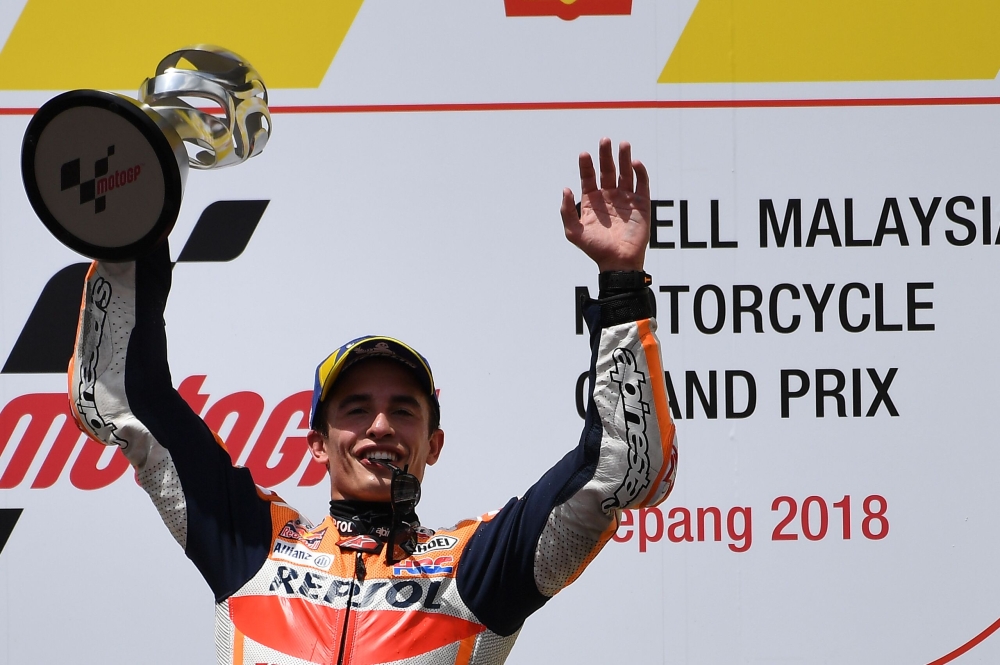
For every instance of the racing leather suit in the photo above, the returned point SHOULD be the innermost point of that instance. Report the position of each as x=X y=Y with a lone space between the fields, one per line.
x=289 y=592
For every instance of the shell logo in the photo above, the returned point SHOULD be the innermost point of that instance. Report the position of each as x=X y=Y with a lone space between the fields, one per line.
x=567 y=9
x=115 y=44
x=762 y=41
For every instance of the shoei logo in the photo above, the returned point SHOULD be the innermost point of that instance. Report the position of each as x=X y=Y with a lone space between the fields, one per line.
x=96 y=188
x=436 y=544
x=567 y=9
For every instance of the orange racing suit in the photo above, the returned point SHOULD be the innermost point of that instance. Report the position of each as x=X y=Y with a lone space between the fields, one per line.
x=290 y=592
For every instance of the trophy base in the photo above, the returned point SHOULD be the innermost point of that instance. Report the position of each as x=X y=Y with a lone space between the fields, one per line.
x=104 y=173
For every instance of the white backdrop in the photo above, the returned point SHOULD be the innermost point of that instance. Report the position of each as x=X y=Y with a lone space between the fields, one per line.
x=442 y=228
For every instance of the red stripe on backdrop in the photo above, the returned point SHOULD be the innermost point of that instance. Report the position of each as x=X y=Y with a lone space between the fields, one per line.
x=611 y=105
x=640 y=104
x=947 y=658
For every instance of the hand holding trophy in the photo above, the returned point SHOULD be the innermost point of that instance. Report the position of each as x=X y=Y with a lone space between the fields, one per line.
x=105 y=173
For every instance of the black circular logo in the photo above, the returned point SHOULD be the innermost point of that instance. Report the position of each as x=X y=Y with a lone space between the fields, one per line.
x=104 y=173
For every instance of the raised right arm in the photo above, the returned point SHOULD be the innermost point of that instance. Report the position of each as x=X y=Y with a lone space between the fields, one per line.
x=121 y=394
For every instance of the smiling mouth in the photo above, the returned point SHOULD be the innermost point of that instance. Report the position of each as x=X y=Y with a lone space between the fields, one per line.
x=377 y=456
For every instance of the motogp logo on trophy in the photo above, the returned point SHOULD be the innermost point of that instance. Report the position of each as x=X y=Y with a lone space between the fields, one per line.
x=156 y=140
x=96 y=188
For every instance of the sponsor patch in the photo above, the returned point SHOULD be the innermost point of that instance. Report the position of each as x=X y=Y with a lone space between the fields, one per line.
x=296 y=553
x=436 y=544
x=360 y=544
x=442 y=565
x=295 y=530
x=345 y=527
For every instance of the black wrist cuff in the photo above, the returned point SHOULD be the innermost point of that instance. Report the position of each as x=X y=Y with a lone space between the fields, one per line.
x=627 y=307
x=617 y=282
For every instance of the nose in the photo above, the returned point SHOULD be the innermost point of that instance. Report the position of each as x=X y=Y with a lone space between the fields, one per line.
x=380 y=427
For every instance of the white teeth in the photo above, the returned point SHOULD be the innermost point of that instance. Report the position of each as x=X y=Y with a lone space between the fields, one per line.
x=381 y=456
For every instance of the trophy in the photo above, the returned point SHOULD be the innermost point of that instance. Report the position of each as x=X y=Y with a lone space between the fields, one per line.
x=105 y=173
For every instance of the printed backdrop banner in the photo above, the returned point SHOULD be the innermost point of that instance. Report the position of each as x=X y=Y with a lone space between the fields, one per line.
x=825 y=237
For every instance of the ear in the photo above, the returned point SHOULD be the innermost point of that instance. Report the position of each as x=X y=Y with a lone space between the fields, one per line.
x=317 y=446
x=435 y=445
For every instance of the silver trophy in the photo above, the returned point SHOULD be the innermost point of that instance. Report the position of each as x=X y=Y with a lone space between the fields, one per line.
x=105 y=173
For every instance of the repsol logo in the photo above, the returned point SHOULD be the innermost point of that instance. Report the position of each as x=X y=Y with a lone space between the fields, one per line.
x=118 y=179
x=631 y=383
x=400 y=594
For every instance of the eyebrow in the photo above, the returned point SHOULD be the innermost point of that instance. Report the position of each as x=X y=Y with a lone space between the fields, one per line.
x=360 y=398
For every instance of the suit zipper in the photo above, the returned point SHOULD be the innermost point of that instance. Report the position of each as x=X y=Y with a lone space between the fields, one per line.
x=359 y=577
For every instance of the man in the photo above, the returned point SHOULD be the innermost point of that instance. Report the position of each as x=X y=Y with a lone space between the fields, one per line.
x=369 y=584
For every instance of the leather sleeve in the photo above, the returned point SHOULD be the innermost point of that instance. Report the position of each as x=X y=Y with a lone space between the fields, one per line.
x=626 y=458
x=121 y=394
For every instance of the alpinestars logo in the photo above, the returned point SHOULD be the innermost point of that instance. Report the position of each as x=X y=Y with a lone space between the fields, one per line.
x=95 y=319
x=96 y=188
x=631 y=382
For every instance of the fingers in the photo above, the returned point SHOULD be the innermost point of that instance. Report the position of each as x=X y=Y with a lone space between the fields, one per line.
x=571 y=221
x=642 y=179
x=625 y=164
x=588 y=177
x=633 y=178
x=607 y=164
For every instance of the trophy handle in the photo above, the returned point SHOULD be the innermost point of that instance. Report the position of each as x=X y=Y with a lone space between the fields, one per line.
x=225 y=79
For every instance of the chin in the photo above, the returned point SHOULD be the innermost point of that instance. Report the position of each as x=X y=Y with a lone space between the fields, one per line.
x=375 y=493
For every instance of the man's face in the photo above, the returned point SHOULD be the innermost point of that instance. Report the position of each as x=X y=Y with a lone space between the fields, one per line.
x=375 y=411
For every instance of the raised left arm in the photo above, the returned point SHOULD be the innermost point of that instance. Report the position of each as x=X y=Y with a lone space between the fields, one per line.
x=627 y=455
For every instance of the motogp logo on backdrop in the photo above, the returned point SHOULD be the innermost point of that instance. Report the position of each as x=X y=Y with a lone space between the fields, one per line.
x=567 y=9
x=46 y=343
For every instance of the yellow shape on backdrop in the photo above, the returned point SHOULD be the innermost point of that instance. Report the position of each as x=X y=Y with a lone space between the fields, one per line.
x=115 y=44
x=756 y=41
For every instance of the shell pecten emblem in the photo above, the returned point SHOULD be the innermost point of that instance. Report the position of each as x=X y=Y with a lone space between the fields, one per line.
x=764 y=41
x=567 y=9
x=113 y=44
